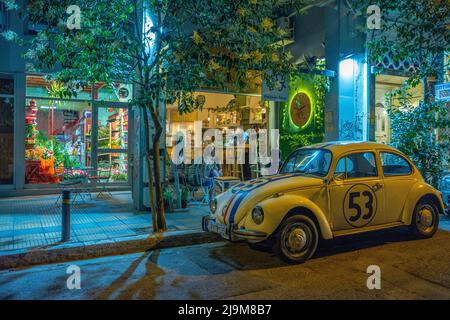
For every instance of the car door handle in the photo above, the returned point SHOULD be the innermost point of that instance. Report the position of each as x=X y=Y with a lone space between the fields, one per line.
x=377 y=187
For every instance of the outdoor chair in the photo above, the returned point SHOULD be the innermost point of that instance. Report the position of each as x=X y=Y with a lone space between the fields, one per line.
x=193 y=179
x=99 y=180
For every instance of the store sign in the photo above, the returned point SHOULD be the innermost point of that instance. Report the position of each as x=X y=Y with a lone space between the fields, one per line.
x=443 y=92
x=280 y=93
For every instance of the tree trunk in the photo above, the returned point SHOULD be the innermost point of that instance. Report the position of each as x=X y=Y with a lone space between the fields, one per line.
x=158 y=185
x=157 y=166
x=151 y=184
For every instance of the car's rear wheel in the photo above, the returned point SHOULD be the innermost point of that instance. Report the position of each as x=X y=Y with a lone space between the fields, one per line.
x=297 y=239
x=425 y=219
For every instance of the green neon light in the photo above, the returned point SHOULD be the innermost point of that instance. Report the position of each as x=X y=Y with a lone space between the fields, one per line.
x=313 y=106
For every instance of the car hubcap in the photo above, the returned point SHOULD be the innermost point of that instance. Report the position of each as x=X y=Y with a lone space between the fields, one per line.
x=296 y=239
x=425 y=218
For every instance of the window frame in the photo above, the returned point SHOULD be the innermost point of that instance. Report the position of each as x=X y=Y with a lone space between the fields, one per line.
x=285 y=162
x=411 y=167
x=345 y=155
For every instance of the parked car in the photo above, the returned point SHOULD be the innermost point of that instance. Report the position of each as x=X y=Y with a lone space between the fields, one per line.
x=445 y=189
x=326 y=191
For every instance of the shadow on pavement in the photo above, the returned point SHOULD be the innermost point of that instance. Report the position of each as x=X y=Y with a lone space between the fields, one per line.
x=241 y=256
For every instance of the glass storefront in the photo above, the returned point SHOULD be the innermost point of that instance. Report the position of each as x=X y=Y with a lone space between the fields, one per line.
x=112 y=141
x=81 y=133
x=6 y=131
x=57 y=137
x=221 y=111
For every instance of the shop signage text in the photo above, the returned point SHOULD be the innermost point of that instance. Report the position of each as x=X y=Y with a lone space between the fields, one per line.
x=443 y=92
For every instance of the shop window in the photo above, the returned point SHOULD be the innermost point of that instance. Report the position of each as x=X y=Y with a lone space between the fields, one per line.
x=38 y=86
x=113 y=167
x=57 y=137
x=113 y=128
x=113 y=143
x=6 y=86
x=6 y=140
x=114 y=92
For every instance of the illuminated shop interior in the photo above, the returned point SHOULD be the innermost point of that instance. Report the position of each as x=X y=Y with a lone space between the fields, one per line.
x=60 y=135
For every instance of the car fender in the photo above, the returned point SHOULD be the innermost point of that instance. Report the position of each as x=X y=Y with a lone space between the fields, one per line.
x=277 y=207
x=418 y=191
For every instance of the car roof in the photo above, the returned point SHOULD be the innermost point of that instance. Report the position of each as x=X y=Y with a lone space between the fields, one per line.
x=339 y=147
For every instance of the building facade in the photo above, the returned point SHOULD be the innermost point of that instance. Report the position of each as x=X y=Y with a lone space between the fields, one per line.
x=98 y=129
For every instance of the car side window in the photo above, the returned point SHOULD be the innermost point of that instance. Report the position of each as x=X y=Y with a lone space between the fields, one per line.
x=342 y=165
x=394 y=165
x=357 y=165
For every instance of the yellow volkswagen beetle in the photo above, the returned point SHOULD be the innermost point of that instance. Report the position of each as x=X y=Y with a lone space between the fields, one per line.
x=325 y=191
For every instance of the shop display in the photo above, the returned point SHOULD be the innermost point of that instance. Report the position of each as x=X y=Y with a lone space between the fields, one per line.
x=113 y=135
x=55 y=140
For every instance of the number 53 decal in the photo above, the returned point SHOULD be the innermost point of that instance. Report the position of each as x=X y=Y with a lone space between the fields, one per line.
x=360 y=205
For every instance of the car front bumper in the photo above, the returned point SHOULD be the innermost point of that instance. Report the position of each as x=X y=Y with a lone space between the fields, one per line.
x=231 y=232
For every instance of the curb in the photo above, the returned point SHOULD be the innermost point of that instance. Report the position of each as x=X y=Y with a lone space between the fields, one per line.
x=96 y=249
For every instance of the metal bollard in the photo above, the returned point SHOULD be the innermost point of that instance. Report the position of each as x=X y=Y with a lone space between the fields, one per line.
x=65 y=232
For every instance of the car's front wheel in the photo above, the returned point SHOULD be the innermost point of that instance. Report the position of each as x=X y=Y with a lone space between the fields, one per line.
x=297 y=239
x=425 y=219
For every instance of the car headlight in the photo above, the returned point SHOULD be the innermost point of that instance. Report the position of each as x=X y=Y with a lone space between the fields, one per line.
x=213 y=205
x=258 y=215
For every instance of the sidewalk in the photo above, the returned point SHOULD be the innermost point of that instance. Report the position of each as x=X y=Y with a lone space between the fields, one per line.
x=33 y=223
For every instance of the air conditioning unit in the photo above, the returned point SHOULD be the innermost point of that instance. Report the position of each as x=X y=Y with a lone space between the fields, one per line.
x=287 y=24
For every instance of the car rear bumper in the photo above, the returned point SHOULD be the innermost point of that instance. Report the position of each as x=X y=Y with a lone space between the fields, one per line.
x=230 y=232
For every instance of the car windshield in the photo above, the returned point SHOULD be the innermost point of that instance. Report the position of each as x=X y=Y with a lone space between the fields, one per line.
x=308 y=161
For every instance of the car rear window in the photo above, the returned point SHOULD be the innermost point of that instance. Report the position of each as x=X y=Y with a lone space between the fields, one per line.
x=394 y=165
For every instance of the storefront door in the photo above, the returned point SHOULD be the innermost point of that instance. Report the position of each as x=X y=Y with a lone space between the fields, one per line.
x=111 y=140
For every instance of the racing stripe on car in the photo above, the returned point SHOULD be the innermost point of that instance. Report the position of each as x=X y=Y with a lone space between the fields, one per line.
x=243 y=194
x=228 y=208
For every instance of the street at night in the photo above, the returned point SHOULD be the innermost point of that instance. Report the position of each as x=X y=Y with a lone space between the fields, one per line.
x=215 y=159
x=410 y=269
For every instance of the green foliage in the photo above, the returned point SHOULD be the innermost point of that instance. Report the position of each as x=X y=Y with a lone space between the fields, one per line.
x=192 y=44
x=416 y=31
x=411 y=30
x=59 y=151
x=119 y=177
x=188 y=45
x=315 y=132
x=415 y=130
x=184 y=193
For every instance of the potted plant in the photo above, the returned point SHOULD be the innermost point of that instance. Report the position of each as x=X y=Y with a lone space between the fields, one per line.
x=184 y=197
x=168 y=199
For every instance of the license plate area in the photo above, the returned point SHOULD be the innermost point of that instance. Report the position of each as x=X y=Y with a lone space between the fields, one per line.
x=218 y=228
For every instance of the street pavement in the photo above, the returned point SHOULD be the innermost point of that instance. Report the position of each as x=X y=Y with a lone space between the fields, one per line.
x=34 y=222
x=410 y=269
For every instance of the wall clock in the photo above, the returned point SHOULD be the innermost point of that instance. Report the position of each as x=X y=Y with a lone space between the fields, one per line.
x=301 y=109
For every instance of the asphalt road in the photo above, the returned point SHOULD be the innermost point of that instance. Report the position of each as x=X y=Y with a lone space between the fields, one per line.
x=410 y=269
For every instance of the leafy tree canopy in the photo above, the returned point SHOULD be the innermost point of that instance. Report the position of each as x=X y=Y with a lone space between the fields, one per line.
x=185 y=45
x=417 y=31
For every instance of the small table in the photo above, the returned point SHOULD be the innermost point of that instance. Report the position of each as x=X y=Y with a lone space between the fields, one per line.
x=226 y=182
